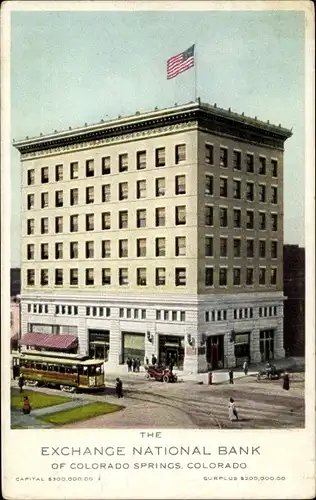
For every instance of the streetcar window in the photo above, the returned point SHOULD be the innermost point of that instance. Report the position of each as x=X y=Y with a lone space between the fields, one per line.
x=50 y=368
x=38 y=366
x=44 y=366
x=85 y=370
x=98 y=370
x=33 y=365
x=68 y=369
x=56 y=368
x=61 y=369
x=92 y=370
x=74 y=369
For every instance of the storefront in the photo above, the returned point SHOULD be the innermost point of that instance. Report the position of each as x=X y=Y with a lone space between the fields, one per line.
x=242 y=347
x=215 y=351
x=99 y=344
x=133 y=346
x=171 y=348
x=267 y=345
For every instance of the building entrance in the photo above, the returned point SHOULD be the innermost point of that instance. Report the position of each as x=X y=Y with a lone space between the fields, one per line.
x=171 y=348
x=267 y=345
x=242 y=348
x=99 y=344
x=215 y=351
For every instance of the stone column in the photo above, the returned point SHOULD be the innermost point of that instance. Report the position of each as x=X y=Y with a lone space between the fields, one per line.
x=151 y=346
x=229 y=351
x=115 y=352
x=82 y=331
x=279 y=352
x=255 y=356
x=190 y=364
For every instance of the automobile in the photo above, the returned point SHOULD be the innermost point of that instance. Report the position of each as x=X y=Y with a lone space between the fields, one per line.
x=269 y=372
x=160 y=373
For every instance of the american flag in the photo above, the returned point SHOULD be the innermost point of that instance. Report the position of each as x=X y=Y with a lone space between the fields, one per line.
x=181 y=62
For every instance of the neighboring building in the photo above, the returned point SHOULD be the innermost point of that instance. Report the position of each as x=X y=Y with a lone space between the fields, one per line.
x=15 y=281
x=156 y=233
x=14 y=323
x=294 y=305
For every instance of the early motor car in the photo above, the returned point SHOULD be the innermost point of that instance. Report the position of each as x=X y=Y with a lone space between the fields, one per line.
x=161 y=374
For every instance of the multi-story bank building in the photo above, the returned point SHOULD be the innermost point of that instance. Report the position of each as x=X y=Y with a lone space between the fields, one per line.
x=158 y=233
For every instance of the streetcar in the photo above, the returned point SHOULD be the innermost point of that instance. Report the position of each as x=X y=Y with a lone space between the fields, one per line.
x=67 y=372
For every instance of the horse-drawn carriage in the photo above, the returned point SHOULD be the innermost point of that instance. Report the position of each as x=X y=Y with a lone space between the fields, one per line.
x=269 y=372
x=161 y=374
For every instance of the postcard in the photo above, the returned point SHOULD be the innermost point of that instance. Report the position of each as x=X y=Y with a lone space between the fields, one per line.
x=158 y=264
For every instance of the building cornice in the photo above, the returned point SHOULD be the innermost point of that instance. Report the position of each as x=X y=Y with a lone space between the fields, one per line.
x=206 y=117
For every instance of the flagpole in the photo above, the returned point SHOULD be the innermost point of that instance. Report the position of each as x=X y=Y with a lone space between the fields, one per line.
x=195 y=73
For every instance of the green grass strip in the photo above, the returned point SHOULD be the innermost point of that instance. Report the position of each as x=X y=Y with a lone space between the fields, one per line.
x=37 y=399
x=80 y=413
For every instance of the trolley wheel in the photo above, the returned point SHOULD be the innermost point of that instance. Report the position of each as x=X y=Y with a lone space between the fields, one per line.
x=147 y=376
x=165 y=378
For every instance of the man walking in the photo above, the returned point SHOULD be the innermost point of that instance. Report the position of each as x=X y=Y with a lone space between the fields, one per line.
x=21 y=382
x=119 y=388
x=286 y=381
x=245 y=367
x=231 y=376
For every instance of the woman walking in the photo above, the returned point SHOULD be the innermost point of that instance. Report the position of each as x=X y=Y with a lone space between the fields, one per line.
x=232 y=412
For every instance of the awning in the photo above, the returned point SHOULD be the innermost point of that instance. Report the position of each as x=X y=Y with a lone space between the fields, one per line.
x=49 y=341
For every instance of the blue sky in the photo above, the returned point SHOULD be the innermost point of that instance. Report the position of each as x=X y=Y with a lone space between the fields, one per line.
x=72 y=68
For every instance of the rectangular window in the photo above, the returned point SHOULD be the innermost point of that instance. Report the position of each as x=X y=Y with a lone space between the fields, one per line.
x=58 y=224
x=237 y=247
x=160 y=247
x=262 y=221
x=140 y=160
x=180 y=184
x=73 y=277
x=143 y=313
x=123 y=162
x=90 y=276
x=30 y=201
x=237 y=218
x=209 y=154
x=89 y=195
x=174 y=315
x=273 y=276
x=30 y=177
x=44 y=225
x=250 y=163
x=106 y=220
x=106 y=276
x=160 y=157
x=141 y=276
x=59 y=173
x=181 y=278
x=160 y=217
x=44 y=277
x=30 y=251
x=209 y=219
x=223 y=217
x=262 y=165
x=262 y=193
x=160 y=276
x=249 y=219
x=141 y=218
x=209 y=185
x=274 y=168
x=236 y=189
x=180 y=153
x=106 y=193
x=123 y=248
x=250 y=191
x=223 y=157
x=250 y=245
x=262 y=276
x=141 y=191
x=223 y=183
x=209 y=246
x=59 y=198
x=44 y=175
x=166 y=315
x=223 y=276
x=58 y=251
x=209 y=276
x=123 y=219
x=158 y=315
x=123 y=191
x=89 y=168
x=74 y=223
x=123 y=276
x=106 y=249
x=160 y=186
x=74 y=170
x=237 y=160
x=74 y=194
x=262 y=249
x=274 y=249
x=106 y=165
x=74 y=247
x=236 y=276
x=223 y=247
x=274 y=222
x=59 y=279
x=249 y=276
x=180 y=214
x=30 y=277
x=182 y=315
x=180 y=247
x=274 y=195
x=141 y=247
x=89 y=222
x=89 y=249
x=44 y=251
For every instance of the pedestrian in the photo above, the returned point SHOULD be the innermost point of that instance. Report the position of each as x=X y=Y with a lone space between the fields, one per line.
x=231 y=376
x=286 y=381
x=129 y=364
x=137 y=364
x=21 y=382
x=171 y=365
x=232 y=412
x=26 y=409
x=119 y=388
x=134 y=365
x=15 y=371
x=147 y=362
x=245 y=367
x=153 y=360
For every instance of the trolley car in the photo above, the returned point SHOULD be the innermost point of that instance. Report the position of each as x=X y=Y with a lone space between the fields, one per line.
x=68 y=372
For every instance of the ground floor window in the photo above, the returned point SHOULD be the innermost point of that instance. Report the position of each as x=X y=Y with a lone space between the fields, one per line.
x=215 y=351
x=99 y=344
x=242 y=348
x=267 y=345
x=133 y=346
x=171 y=349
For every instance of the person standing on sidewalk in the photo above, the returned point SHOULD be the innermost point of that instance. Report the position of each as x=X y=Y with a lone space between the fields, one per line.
x=231 y=376
x=21 y=382
x=119 y=388
x=245 y=367
x=286 y=381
